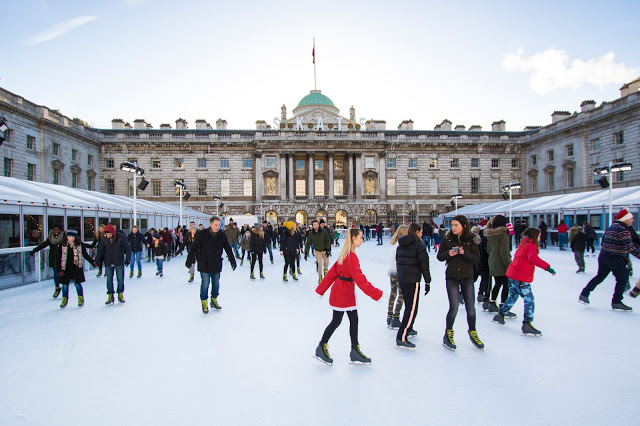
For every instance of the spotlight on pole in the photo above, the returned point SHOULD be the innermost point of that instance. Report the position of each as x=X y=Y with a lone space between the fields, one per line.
x=3 y=127
x=143 y=184
x=186 y=196
x=604 y=182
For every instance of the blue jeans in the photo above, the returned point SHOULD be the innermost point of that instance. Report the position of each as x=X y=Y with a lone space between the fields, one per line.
x=562 y=240
x=56 y=276
x=65 y=290
x=204 y=286
x=234 y=246
x=380 y=238
x=159 y=263
x=119 y=270
x=517 y=289
x=428 y=242
x=269 y=249
x=135 y=259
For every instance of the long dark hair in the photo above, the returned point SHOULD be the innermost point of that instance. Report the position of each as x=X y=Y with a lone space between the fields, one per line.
x=534 y=235
x=414 y=228
x=466 y=231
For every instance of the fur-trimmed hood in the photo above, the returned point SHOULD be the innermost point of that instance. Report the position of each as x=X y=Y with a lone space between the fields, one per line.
x=494 y=232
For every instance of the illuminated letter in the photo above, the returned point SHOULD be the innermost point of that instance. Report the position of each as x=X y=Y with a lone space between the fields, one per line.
x=339 y=124
x=320 y=125
x=299 y=123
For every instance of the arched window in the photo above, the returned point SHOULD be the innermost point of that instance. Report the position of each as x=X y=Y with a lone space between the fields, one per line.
x=301 y=217
x=413 y=216
x=341 y=218
x=272 y=217
x=370 y=217
x=321 y=214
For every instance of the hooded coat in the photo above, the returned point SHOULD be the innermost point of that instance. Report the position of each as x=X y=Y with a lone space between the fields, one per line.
x=499 y=250
x=461 y=265
x=525 y=261
x=412 y=260
x=257 y=244
x=113 y=252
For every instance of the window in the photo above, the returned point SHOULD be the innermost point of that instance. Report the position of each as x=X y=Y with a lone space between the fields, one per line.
x=89 y=160
x=391 y=186
x=74 y=180
x=224 y=163
x=31 y=172
x=156 y=185
x=202 y=187
x=74 y=155
x=338 y=165
x=568 y=150
x=319 y=187
x=202 y=163
x=596 y=177
x=534 y=160
x=454 y=186
x=56 y=149
x=369 y=186
x=515 y=163
x=475 y=162
x=551 y=181
x=391 y=163
x=455 y=163
x=433 y=186
x=271 y=186
x=495 y=163
x=271 y=161
x=495 y=186
x=109 y=186
x=108 y=163
x=299 y=164
x=570 y=178
x=247 y=185
x=31 y=142
x=319 y=165
x=533 y=184
x=8 y=167
x=475 y=185
x=155 y=164
x=595 y=144
x=247 y=163
x=618 y=138
x=338 y=187
x=7 y=135
x=369 y=162
x=301 y=187
x=433 y=163
x=224 y=187
x=413 y=163
x=550 y=155
x=413 y=186
x=90 y=183
x=618 y=176
x=56 y=178
x=178 y=163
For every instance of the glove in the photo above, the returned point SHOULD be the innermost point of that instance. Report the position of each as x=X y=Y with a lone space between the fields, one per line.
x=427 y=289
x=95 y=264
x=127 y=263
x=61 y=273
x=550 y=270
x=305 y=257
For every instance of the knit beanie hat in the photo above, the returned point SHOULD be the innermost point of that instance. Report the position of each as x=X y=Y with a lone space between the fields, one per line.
x=624 y=215
x=72 y=233
x=156 y=236
x=110 y=228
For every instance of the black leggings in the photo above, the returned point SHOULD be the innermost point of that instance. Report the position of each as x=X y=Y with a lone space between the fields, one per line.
x=503 y=282
x=590 y=245
x=290 y=262
x=248 y=255
x=335 y=323
x=468 y=293
x=298 y=260
x=485 y=286
x=253 y=260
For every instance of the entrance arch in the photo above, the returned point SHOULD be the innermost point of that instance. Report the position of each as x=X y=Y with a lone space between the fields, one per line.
x=341 y=218
x=321 y=214
x=271 y=217
x=301 y=217
x=370 y=217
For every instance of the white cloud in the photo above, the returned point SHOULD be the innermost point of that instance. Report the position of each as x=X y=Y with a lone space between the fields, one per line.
x=551 y=70
x=59 y=29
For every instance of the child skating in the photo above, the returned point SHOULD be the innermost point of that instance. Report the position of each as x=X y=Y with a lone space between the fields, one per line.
x=71 y=268
x=160 y=250
x=343 y=276
x=520 y=274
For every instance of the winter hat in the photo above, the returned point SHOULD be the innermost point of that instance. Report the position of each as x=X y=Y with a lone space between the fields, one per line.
x=156 y=235
x=72 y=233
x=321 y=220
x=624 y=215
x=110 y=228
x=288 y=225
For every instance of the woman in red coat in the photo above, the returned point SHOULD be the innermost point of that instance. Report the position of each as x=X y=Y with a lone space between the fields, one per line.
x=342 y=278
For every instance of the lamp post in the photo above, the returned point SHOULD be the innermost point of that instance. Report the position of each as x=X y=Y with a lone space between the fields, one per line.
x=454 y=201
x=132 y=167
x=604 y=182
x=181 y=186
x=217 y=200
x=509 y=188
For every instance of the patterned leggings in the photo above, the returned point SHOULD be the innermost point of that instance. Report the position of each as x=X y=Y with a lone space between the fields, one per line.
x=395 y=291
x=517 y=289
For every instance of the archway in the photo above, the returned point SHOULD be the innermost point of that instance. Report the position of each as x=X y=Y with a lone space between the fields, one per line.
x=413 y=217
x=370 y=217
x=341 y=218
x=301 y=217
x=271 y=217
x=321 y=214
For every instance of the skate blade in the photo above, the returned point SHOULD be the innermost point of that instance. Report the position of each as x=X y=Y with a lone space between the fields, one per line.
x=621 y=310
x=361 y=362
x=584 y=303
x=322 y=361
x=511 y=318
x=405 y=347
x=531 y=335
x=497 y=322
x=451 y=349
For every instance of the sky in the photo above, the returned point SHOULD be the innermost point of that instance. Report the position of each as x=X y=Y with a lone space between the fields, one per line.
x=469 y=62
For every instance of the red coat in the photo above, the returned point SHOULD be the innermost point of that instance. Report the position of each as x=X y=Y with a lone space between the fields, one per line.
x=343 y=293
x=525 y=261
x=563 y=229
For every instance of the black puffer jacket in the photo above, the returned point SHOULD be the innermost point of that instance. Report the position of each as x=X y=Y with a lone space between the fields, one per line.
x=207 y=249
x=257 y=243
x=461 y=265
x=412 y=260
x=289 y=243
x=55 y=252
x=136 y=241
x=579 y=241
x=483 y=264
x=113 y=253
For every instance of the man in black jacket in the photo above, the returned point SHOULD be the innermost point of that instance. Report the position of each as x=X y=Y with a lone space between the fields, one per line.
x=136 y=242
x=55 y=240
x=114 y=251
x=268 y=236
x=207 y=249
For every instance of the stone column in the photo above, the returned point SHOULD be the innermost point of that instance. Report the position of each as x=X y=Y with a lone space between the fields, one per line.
x=350 y=155
x=283 y=175
x=330 y=193
x=382 y=176
x=258 y=159
x=311 y=181
x=358 y=175
x=292 y=196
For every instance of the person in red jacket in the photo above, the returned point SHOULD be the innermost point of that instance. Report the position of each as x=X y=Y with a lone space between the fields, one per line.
x=562 y=234
x=520 y=275
x=343 y=276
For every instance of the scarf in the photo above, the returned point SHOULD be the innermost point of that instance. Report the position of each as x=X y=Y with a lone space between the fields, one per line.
x=77 y=256
x=55 y=240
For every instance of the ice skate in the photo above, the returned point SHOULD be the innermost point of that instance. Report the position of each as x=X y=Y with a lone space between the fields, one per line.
x=412 y=333
x=322 y=353
x=139 y=274
x=65 y=300
x=634 y=292
x=161 y=274
x=583 y=299
x=447 y=340
x=473 y=336
x=325 y=272
x=121 y=297
x=485 y=305
x=395 y=322
x=295 y=278
x=493 y=307
x=357 y=357
x=529 y=330
x=131 y=274
x=253 y=277
x=405 y=344
x=190 y=278
x=261 y=276
x=319 y=279
x=510 y=315
x=56 y=292
x=299 y=271
x=389 y=318
x=205 y=307
x=109 y=299
x=498 y=319
x=480 y=298
x=284 y=278
x=158 y=272
x=214 y=304
x=580 y=270
x=80 y=300
x=621 y=307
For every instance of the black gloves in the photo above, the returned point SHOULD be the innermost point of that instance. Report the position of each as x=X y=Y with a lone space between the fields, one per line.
x=61 y=273
x=427 y=288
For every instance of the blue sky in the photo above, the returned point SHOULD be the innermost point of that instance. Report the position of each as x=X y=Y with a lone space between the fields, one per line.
x=470 y=62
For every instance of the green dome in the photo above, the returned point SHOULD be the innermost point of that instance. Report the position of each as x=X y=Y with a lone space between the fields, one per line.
x=315 y=98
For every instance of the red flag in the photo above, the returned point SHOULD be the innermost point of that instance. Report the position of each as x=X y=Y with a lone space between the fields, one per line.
x=313 y=53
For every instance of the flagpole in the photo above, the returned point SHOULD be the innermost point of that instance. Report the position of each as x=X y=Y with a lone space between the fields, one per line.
x=315 y=87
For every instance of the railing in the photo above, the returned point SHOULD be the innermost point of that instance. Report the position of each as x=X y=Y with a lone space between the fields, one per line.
x=202 y=136
x=224 y=136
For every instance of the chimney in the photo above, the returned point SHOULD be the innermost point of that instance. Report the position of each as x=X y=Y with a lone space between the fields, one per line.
x=149 y=126
x=181 y=124
x=406 y=125
x=117 y=123
x=529 y=128
x=475 y=128
x=165 y=126
x=587 y=105
x=498 y=126
x=127 y=126
x=630 y=88
x=445 y=125
x=460 y=127
x=261 y=125
x=202 y=125
x=221 y=124
x=376 y=125
x=559 y=116
x=139 y=124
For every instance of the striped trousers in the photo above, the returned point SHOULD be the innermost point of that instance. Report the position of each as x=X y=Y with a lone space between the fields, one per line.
x=411 y=294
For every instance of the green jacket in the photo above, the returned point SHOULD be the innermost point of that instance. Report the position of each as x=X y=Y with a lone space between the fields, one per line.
x=499 y=250
x=321 y=241
x=232 y=234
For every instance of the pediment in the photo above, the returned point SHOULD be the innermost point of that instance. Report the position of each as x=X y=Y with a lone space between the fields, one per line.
x=311 y=115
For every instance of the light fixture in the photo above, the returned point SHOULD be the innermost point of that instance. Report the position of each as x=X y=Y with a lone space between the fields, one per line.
x=143 y=184
x=128 y=166
x=621 y=167
x=604 y=182
x=186 y=196
x=180 y=184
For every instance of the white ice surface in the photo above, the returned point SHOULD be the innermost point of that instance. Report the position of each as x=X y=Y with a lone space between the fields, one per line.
x=158 y=360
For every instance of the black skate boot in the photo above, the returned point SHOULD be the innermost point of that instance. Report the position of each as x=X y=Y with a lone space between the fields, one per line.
x=473 y=335
x=261 y=276
x=405 y=345
x=190 y=278
x=56 y=292
x=621 y=307
x=322 y=353
x=395 y=322
x=412 y=333
x=510 y=315
x=480 y=298
x=447 y=340
x=389 y=318
x=131 y=274
x=485 y=305
x=529 y=330
x=493 y=307
x=583 y=299
x=109 y=299
x=357 y=357
x=498 y=319
x=253 y=277
x=634 y=292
